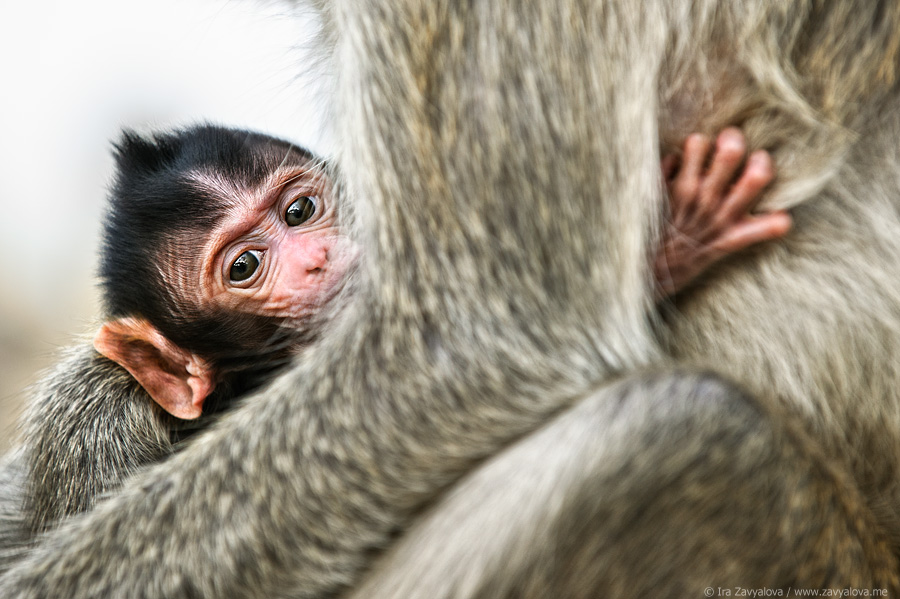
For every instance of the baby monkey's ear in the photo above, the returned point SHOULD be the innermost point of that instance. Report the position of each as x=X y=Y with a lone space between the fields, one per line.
x=176 y=379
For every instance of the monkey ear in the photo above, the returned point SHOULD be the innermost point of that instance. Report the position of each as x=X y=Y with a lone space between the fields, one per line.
x=176 y=379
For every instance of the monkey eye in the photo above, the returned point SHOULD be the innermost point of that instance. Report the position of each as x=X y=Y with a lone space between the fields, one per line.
x=244 y=267
x=300 y=211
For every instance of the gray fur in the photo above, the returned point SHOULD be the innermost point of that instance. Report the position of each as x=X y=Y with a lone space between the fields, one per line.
x=15 y=534
x=503 y=162
x=623 y=496
x=90 y=425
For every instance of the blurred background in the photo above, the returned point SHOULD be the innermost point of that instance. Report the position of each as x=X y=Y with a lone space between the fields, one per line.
x=71 y=76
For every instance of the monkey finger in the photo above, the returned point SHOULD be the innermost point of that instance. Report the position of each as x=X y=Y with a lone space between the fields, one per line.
x=726 y=160
x=747 y=191
x=686 y=184
x=750 y=231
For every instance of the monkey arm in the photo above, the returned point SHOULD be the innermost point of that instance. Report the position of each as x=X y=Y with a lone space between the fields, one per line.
x=579 y=509
x=89 y=426
x=613 y=487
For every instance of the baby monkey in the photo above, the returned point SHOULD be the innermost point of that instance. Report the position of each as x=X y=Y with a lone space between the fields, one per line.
x=220 y=249
x=222 y=254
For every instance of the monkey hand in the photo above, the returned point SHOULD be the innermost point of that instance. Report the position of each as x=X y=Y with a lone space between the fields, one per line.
x=710 y=208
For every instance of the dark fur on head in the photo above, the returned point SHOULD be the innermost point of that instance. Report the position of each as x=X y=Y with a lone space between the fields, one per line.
x=158 y=214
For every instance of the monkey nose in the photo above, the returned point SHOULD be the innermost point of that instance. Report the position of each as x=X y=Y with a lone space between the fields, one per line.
x=317 y=258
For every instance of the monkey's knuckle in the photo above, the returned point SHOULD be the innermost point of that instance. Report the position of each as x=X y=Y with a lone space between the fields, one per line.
x=688 y=190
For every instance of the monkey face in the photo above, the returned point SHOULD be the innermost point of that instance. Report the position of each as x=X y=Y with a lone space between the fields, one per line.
x=278 y=251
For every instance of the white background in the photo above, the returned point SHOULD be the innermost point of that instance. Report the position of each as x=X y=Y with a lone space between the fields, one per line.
x=72 y=74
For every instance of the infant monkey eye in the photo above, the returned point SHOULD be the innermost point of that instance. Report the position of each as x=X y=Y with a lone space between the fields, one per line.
x=244 y=267
x=300 y=211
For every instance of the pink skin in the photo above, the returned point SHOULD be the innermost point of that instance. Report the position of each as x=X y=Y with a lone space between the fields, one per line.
x=301 y=266
x=711 y=207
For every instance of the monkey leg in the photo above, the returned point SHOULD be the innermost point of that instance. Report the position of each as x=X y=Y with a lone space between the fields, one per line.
x=663 y=486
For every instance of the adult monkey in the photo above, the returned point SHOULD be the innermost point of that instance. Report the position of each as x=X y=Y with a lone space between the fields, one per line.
x=515 y=164
x=91 y=425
